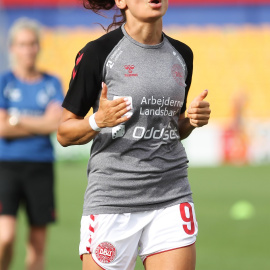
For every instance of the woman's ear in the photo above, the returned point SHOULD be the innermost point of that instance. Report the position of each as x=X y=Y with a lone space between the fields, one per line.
x=121 y=4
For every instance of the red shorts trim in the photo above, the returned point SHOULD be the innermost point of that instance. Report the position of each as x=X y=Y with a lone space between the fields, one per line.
x=166 y=251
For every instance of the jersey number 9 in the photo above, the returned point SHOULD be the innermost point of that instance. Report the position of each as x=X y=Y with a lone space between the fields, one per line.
x=187 y=218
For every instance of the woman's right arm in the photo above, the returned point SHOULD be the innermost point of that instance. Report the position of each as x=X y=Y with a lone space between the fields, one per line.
x=75 y=129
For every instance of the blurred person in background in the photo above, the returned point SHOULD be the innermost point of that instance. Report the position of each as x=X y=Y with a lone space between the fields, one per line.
x=29 y=112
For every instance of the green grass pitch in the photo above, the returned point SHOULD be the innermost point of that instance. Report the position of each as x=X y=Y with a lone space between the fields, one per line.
x=223 y=243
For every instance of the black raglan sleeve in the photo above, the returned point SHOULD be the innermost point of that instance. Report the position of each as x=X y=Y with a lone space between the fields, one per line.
x=85 y=82
x=86 y=78
x=188 y=57
x=187 y=54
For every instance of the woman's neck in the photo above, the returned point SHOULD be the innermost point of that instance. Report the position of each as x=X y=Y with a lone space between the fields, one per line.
x=27 y=74
x=146 y=33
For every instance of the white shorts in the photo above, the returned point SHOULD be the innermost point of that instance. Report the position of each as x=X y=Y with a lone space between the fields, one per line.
x=115 y=240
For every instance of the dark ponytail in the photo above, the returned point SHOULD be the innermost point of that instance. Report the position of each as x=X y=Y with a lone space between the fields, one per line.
x=98 y=5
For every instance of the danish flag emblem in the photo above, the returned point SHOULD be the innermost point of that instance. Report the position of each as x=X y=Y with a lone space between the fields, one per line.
x=129 y=68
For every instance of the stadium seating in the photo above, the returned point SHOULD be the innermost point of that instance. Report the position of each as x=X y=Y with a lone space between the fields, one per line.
x=229 y=61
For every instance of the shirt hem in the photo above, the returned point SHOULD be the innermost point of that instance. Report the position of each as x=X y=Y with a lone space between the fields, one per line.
x=121 y=210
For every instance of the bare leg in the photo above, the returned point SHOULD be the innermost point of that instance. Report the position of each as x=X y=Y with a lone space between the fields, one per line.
x=7 y=237
x=89 y=263
x=178 y=259
x=35 y=258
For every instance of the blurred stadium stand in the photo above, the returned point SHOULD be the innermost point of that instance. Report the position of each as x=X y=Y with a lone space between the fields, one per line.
x=184 y=12
x=230 y=40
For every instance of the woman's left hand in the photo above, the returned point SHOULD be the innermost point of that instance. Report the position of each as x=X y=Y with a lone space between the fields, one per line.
x=199 y=110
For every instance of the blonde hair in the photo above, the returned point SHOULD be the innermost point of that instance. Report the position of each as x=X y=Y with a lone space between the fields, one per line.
x=21 y=24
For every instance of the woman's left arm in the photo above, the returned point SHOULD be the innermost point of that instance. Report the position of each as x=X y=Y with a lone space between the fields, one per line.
x=198 y=115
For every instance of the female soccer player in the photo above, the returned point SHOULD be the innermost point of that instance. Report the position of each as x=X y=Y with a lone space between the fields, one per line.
x=138 y=199
x=29 y=112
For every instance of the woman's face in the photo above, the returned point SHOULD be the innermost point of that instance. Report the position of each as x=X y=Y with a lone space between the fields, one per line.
x=25 y=48
x=146 y=10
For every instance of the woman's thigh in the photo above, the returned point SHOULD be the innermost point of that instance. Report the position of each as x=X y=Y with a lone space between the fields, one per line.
x=89 y=263
x=177 y=259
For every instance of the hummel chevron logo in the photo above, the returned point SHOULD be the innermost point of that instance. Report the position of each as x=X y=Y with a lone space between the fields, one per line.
x=130 y=69
x=79 y=58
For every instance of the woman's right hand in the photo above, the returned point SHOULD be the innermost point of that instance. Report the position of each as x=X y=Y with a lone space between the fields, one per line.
x=75 y=130
x=110 y=112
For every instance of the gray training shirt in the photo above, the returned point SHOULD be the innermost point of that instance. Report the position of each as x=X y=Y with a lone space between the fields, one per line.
x=139 y=165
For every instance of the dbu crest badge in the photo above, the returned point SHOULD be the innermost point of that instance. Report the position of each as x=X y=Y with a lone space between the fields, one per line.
x=105 y=252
